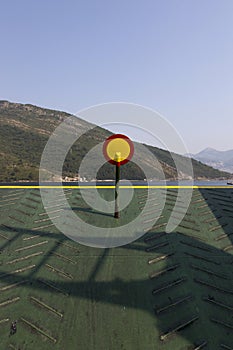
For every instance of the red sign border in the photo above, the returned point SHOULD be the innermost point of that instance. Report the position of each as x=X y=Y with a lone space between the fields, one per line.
x=118 y=136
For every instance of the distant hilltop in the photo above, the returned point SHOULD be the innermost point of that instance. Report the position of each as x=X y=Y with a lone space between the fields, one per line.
x=25 y=130
x=222 y=160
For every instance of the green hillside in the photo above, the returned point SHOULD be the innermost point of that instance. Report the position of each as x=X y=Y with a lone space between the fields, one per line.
x=25 y=129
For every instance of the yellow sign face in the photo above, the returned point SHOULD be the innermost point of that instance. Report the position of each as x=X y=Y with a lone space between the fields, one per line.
x=118 y=148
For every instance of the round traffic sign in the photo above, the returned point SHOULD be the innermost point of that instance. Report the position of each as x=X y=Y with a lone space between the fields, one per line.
x=118 y=149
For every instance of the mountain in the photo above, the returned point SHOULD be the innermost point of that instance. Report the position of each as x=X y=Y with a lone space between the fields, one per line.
x=25 y=130
x=222 y=160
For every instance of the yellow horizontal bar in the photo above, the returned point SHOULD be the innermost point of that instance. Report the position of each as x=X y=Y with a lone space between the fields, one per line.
x=111 y=186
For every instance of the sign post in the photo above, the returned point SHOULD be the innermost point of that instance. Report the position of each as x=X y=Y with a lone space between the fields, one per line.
x=117 y=180
x=118 y=150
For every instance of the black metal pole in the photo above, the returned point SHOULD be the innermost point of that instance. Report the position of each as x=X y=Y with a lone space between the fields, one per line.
x=117 y=214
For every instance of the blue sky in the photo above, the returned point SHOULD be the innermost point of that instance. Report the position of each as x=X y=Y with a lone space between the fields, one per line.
x=175 y=56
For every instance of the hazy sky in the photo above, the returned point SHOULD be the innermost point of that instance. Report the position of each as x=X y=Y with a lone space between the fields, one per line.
x=175 y=56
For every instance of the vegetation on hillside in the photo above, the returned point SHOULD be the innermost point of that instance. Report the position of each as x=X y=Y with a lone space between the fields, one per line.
x=25 y=129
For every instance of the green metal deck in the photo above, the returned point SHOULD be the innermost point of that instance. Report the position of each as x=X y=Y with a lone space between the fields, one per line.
x=164 y=291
